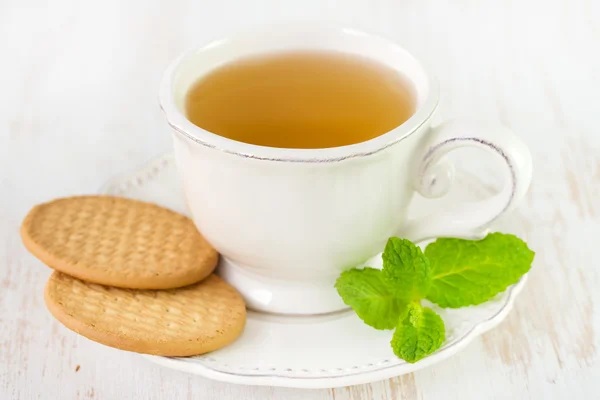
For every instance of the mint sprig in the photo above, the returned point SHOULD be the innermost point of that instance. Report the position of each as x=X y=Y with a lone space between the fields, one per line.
x=451 y=273
x=371 y=297
x=469 y=272
x=406 y=269
x=419 y=333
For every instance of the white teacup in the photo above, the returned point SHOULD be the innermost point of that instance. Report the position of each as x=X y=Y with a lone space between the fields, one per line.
x=288 y=221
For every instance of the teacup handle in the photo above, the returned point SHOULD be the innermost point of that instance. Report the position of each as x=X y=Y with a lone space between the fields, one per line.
x=435 y=176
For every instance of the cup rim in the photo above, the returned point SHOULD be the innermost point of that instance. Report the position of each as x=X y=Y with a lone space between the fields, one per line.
x=180 y=124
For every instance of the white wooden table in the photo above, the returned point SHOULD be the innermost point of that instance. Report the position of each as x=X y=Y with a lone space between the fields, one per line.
x=78 y=89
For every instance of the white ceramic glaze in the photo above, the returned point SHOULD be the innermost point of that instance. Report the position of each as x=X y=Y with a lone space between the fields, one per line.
x=319 y=351
x=288 y=221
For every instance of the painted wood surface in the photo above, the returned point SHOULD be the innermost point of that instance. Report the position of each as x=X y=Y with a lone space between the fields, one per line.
x=78 y=84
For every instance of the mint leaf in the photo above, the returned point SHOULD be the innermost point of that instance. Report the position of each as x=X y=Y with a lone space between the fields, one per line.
x=367 y=292
x=419 y=333
x=467 y=272
x=406 y=269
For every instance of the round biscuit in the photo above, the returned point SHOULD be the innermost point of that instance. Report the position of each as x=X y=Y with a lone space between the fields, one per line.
x=118 y=242
x=187 y=321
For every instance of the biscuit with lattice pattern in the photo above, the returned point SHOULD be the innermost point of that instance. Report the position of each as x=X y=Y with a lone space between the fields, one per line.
x=118 y=242
x=178 y=322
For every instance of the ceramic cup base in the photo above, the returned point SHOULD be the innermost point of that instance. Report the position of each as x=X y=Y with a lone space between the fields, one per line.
x=272 y=295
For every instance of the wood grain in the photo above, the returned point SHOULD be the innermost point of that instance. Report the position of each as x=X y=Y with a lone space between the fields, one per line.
x=79 y=83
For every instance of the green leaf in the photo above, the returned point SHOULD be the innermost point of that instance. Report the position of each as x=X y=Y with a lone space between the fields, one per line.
x=366 y=291
x=419 y=333
x=406 y=269
x=467 y=272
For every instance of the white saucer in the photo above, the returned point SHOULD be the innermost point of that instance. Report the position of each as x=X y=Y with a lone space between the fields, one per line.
x=316 y=352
